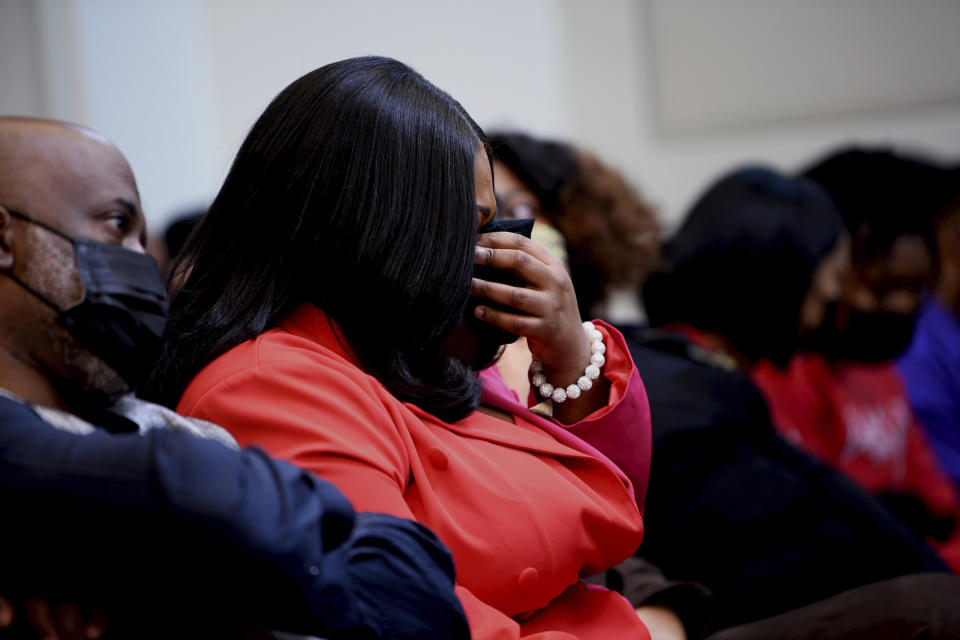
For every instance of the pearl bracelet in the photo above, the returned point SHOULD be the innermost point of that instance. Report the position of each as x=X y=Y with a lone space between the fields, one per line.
x=584 y=383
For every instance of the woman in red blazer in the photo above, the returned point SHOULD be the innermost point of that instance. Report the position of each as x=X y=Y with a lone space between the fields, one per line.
x=329 y=314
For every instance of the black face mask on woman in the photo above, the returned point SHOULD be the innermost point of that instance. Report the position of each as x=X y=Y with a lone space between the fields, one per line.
x=872 y=337
x=489 y=337
x=123 y=314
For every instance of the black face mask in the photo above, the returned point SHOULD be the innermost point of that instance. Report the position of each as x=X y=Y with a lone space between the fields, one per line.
x=489 y=337
x=123 y=314
x=870 y=337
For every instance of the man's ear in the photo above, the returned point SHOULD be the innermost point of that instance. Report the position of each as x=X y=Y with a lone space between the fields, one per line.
x=6 y=239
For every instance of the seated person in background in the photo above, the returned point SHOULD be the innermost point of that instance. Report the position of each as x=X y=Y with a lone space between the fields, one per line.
x=730 y=504
x=327 y=316
x=608 y=234
x=931 y=366
x=843 y=400
x=166 y=246
x=581 y=203
x=760 y=523
x=171 y=534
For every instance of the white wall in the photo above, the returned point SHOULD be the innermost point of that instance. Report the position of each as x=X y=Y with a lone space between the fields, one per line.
x=497 y=57
x=20 y=63
x=177 y=83
x=612 y=61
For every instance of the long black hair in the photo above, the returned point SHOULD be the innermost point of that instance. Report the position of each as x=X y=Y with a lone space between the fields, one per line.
x=354 y=191
x=743 y=260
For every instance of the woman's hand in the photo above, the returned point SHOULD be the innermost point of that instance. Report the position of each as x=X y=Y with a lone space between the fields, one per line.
x=546 y=315
x=65 y=621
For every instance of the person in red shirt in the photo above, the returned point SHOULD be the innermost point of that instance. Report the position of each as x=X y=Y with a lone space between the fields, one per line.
x=844 y=400
x=731 y=504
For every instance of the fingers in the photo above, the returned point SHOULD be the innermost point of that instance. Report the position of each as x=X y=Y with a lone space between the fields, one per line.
x=41 y=619
x=6 y=613
x=524 y=265
x=521 y=325
x=96 y=625
x=507 y=240
x=521 y=256
x=64 y=623
x=529 y=301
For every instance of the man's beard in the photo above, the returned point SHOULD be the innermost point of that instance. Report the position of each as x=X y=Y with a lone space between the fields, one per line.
x=80 y=376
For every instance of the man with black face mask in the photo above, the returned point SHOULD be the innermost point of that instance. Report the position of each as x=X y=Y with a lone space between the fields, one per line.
x=844 y=401
x=226 y=540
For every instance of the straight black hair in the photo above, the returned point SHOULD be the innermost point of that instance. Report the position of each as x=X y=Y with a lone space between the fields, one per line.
x=354 y=191
x=743 y=260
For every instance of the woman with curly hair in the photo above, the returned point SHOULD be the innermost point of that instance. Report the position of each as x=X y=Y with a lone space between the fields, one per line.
x=608 y=233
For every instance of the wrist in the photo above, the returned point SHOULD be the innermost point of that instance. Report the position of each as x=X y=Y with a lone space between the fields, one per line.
x=561 y=383
x=575 y=361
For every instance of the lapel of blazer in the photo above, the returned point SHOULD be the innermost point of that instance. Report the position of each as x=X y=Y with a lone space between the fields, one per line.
x=498 y=395
x=310 y=322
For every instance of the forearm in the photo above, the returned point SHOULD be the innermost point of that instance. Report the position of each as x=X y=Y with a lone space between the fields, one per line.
x=620 y=429
x=128 y=522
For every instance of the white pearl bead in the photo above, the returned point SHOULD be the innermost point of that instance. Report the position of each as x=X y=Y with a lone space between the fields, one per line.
x=538 y=378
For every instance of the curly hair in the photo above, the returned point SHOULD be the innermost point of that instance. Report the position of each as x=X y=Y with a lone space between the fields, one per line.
x=612 y=234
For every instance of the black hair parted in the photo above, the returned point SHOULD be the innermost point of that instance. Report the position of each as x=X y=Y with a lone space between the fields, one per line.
x=354 y=191
x=743 y=259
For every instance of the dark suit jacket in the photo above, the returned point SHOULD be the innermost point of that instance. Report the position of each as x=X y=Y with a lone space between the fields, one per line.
x=735 y=507
x=177 y=536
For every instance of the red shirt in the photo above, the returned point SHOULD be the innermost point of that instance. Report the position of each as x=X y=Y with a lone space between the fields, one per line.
x=856 y=418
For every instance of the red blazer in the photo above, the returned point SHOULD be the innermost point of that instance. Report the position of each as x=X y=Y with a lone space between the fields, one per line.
x=526 y=509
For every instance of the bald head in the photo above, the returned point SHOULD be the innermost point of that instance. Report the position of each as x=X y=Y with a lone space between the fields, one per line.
x=76 y=182
x=71 y=178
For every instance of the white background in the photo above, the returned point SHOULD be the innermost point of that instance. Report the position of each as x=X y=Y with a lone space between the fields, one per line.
x=672 y=92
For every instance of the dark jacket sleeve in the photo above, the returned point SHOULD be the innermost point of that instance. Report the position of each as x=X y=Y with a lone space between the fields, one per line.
x=177 y=533
x=643 y=584
x=765 y=527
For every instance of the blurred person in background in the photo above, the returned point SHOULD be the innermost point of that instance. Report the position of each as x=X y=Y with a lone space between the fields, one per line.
x=588 y=216
x=731 y=505
x=110 y=502
x=750 y=273
x=166 y=246
x=606 y=232
x=843 y=399
x=931 y=366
